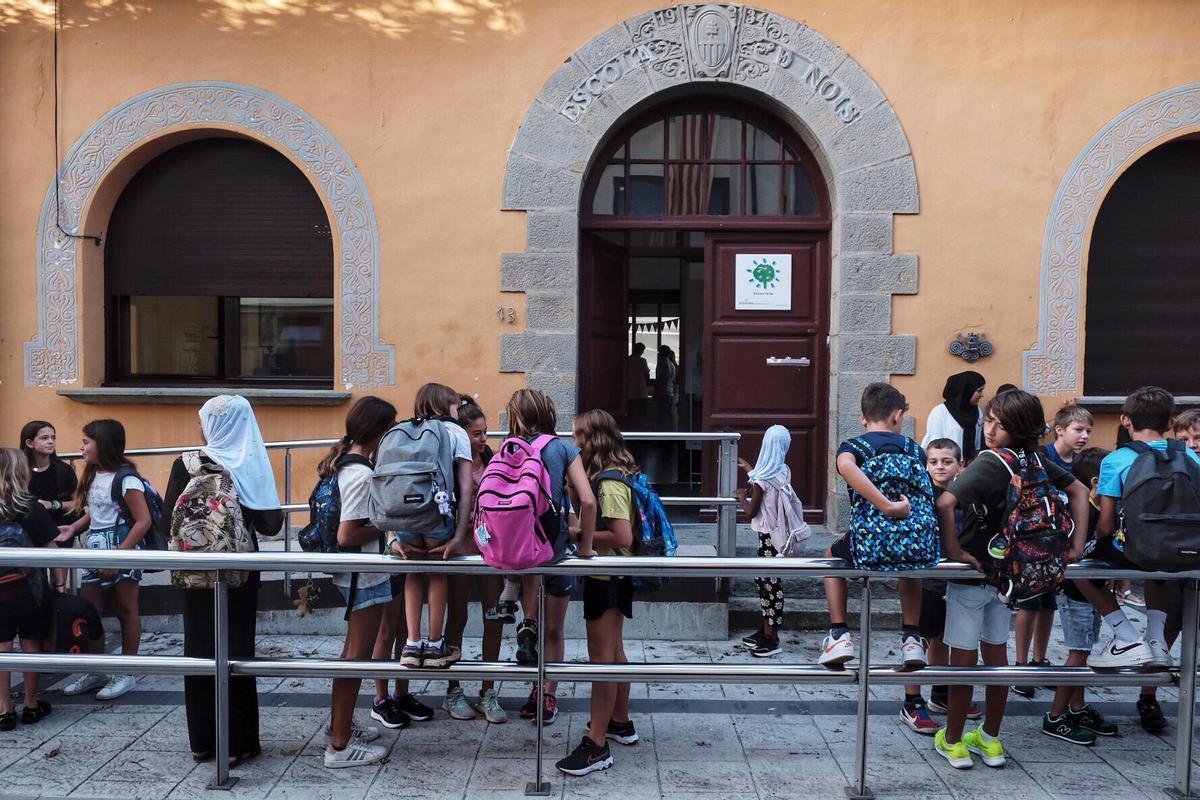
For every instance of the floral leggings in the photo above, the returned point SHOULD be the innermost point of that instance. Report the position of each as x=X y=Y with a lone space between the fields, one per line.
x=770 y=590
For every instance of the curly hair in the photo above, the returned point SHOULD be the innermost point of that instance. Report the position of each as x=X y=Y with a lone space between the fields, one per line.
x=601 y=445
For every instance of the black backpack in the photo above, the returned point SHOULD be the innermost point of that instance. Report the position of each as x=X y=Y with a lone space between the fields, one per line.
x=325 y=510
x=13 y=534
x=1160 y=508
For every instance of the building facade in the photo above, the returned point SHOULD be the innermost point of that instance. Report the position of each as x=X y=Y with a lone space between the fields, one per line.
x=311 y=202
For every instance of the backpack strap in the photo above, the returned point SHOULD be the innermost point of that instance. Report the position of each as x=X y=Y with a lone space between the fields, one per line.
x=862 y=447
x=191 y=462
x=542 y=442
x=118 y=496
x=914 y=449
x=353 y=458
x=1141 y=448
x=1008 y=458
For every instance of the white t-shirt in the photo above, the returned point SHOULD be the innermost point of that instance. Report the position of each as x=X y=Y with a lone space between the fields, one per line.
x=102 y=510
x=354 y=486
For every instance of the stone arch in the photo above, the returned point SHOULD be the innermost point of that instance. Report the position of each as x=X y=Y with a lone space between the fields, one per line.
x=1053 y=365
x=836 y=107
x=51 y=357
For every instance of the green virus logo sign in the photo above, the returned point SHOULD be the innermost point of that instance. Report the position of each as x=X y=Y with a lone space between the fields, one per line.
x=763 y=274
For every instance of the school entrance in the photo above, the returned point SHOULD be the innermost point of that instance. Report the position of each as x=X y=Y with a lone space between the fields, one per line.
x=704 y=290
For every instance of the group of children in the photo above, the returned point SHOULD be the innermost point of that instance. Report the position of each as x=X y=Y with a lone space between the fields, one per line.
x=594 y=512
x=955 y=622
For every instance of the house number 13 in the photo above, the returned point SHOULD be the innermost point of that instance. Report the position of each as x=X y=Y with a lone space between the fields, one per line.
x=507 y=315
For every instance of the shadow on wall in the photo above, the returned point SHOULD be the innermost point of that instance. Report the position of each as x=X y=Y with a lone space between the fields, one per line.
x=456 y=20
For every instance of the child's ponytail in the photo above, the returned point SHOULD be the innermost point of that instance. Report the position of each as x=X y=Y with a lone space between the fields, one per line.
x=366 y=422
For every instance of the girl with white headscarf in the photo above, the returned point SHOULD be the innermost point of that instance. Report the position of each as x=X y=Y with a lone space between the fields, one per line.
x=777 y=516
x=232 y=442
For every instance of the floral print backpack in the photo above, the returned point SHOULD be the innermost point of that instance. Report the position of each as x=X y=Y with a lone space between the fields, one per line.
x=207 y=518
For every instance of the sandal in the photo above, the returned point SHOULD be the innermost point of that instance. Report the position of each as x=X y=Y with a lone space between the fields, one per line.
x=252 y=753
x=8 y=721
x=31 y=716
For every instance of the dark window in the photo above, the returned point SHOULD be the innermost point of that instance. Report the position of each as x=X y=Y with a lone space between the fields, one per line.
x=219 y=269
x=719 y=160
x=1142 y=289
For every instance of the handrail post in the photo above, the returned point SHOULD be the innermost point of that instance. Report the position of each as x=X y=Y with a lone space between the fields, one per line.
x=223 y=781
x=726 y=513
x=1186 y=718
x=859 y=790
x=540 y=787
x=287 y=516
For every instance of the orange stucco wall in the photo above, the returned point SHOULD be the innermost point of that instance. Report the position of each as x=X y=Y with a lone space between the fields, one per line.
x=996 y=99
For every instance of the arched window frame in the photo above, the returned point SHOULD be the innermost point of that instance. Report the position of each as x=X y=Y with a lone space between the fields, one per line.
x=618 y=149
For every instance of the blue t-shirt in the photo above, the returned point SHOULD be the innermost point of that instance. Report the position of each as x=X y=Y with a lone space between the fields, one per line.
x=1116 y=464
x=881 y=442
x=557 y=456
x=1052 y=454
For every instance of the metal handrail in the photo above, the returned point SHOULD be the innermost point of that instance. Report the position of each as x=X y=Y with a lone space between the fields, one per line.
x=862 y=676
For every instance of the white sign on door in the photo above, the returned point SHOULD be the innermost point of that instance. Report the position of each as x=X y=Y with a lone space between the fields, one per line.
x=763 y=282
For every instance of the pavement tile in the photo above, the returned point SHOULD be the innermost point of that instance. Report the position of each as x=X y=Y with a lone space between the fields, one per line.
x=813 y=773
x=419 y=775
x=517 y=738
x=1082 y=780
x=897 y=780
x=713 y=777
x=983 y=783
x=1145 y=769
x=507 y=777
x=794 y=733
x=306 y=778
x=696 y=737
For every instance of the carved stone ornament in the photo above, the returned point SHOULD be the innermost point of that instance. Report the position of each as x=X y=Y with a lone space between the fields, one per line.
x=710 y=39
x=971 y=347
x=51 y=357
x=1052 y=366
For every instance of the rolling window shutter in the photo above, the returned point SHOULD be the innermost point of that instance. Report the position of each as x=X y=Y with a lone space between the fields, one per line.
x=1142 y=292
x=220 y=216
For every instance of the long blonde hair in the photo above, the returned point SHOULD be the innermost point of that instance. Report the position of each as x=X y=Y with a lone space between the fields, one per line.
x=15 y=498
x=601 y=445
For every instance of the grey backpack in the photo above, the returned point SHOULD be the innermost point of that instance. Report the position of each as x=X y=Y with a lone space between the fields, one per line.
x=413 y=483
x=1160 y=508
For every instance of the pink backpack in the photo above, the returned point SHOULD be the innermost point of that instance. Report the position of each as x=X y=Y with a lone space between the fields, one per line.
x=514 y=506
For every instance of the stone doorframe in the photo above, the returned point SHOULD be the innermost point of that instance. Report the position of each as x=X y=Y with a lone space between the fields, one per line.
x=776 y=62
x=1055 y=364
x=52 y=356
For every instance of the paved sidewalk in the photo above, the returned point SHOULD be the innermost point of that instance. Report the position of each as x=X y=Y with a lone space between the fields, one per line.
x=726 y=742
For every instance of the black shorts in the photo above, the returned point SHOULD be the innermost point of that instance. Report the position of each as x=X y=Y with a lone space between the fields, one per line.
x=397 y=584
x=20 y=615
x=933 y=614
x=601 y=595
x=841 y=549
x=1043 y=602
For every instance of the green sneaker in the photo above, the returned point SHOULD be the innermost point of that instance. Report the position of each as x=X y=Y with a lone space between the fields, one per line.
x=991 y=752
x=957 y=753
x=1068 y=729
x=1090 y=719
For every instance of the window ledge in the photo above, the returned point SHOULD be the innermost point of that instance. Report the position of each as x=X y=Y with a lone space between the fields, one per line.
x=181 y=395
x=1114 y=401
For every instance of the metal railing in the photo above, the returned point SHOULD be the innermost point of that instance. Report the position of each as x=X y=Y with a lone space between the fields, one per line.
x=725 y=502
x=863 y=676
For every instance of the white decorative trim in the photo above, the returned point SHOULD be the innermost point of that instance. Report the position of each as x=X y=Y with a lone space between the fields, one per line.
x=1052 y=366
x=51 y=357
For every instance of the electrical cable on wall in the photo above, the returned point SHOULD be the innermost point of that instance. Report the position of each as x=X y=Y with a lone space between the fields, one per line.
x=57 y=191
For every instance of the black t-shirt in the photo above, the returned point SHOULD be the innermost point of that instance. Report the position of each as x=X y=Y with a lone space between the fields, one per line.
x=981 y=490
x=57 y=482
x=38 y=524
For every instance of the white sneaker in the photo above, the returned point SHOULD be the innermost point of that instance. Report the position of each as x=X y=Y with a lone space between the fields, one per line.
x=1160 y=654
x=88 y=682
x=489 y=706
x=359 y=731
x=117 y=685
x=456 y=705
x=355 y=754
x=836 y=652
x=1114 y=654
x=913 y=652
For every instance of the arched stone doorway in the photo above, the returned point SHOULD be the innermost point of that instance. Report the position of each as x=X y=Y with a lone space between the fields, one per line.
x=787 y=69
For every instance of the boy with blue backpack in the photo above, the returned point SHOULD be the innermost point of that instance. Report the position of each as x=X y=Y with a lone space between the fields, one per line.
x=892 y=525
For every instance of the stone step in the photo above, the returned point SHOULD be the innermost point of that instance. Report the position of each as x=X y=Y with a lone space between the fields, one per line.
x=812 y=615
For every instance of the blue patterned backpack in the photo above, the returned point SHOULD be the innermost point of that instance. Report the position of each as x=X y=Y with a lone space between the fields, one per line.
x=879 y=542
x=653 y=534
x=325 y=511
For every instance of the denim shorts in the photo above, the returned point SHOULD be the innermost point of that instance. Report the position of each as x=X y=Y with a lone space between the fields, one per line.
x=108 y=539
x=437 y=537
x=1080 y=624
x=370 y=596
x=975 y=614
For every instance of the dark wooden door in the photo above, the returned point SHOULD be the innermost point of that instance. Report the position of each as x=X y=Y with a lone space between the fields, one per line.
x=743 y=391
x=604 y=333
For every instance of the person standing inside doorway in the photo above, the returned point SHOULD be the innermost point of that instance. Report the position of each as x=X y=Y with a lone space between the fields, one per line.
x=665 y=390
x=639 y=385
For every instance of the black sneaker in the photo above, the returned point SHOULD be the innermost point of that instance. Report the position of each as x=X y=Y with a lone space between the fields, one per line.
x=1066 y=728
x=587 y=757
x=388 y=714
x=939 y=702
x=527 y=642
x=414 y=708
x=1028 y=692
x=766 y=647
x=31 y=716
x=622 y=732
x=8 y=721
x=753 y=639
x=1151 y=715
x=504 y=612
